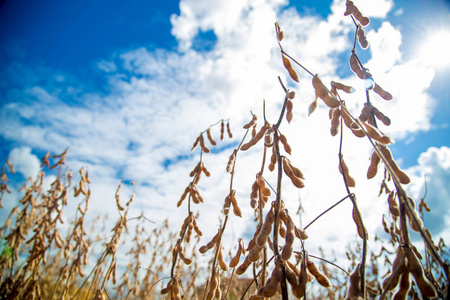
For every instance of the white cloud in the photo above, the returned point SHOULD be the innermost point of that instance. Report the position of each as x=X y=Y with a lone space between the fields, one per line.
x=160 y=100
x=25 y=162
x=430 y=179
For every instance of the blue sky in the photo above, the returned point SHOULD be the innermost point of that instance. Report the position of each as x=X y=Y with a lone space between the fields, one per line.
x=128 y=86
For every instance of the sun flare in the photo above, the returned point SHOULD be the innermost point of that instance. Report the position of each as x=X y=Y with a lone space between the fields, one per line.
x=435 y=50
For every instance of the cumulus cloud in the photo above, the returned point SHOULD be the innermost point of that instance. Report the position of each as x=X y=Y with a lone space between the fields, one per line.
x=25 y=162
x=431 y=177
x=158 y=101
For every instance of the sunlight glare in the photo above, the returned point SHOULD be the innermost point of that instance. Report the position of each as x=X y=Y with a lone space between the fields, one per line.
x=435 y=50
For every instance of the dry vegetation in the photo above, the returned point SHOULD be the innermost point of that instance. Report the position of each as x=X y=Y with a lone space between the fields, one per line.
x=43 y=258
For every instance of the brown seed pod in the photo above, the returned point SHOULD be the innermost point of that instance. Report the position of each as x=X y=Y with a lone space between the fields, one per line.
x=335 y=121
x=349 y=8
x=223 y=265
x=289 y=111
x=365 y=113
x=373 y=167
x=343 y=87
x=362 y=38
x=405 y=285
x=243 y=267
x=210 y=244
x=269 y=137
x=273 y=160
x=285 y=143
x=380 y=116
x=354 y=289
x=230 y=135
x=222 y=130
x=210 y=138
x=355 y=66
x=323 y=93
x=425 y=286
x=235 y=259
x=399 y=173
x=251 y=123
x=255 y=253
x=290 y=236
x=320 y=277
x=231 y=161
x=375 y=134
x=288 y=65
x=271 y=286
x=343 y=169
x=300 y=233
x=266 y=228
x=202 y=144
x=256 y=138
x=312 y=107
x=291 y=276
x=183 y=257
x=214 y=284
x=279 y=32
x=168 y=287
x=303 y=279
x=359 y=226
x=364 y=21
x=236 y=209
x=393 y=205
x=385 y=95
x=398 y=267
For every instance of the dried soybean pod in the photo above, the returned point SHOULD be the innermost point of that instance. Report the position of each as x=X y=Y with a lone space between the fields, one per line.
x=323 y=93
x=273 y=160
x=223 y=265
x=210 y=138
x=231 y=161
x=356 y=68
x=266 y=228
x=271 y=286
x=349 y=8
x=354 y=290
x=398 y=267
x=400 y=174
x=364 y=21
x=373 y=167
x=359 y=226
x=243 y=267
x=300 y=233
x=393 y=205
x=375 y=134
x=343 y=87
x=296 y=171
x=288 y=65
x=214 y=284
x=251 y=123
x=236 y=209
x=425 y=286
x=365 y=113
x=175 y=290
x=380 y=116
x=230 y=135
x=385 y=95
x=285 y=143
x=183 y=257
x=202 y=144
x=405 y=285
x=235 y=259
x=222 y=130
x=312 y=107
x=291 y=276
x=289 y=111
x=210 y=244
x=290 y=236
x=168 y=287
x=343 y=169
x=320 y=277
x=335 y=122
x=256 y=138
x=255 y=253
x=302 y=281
x=195 y=143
